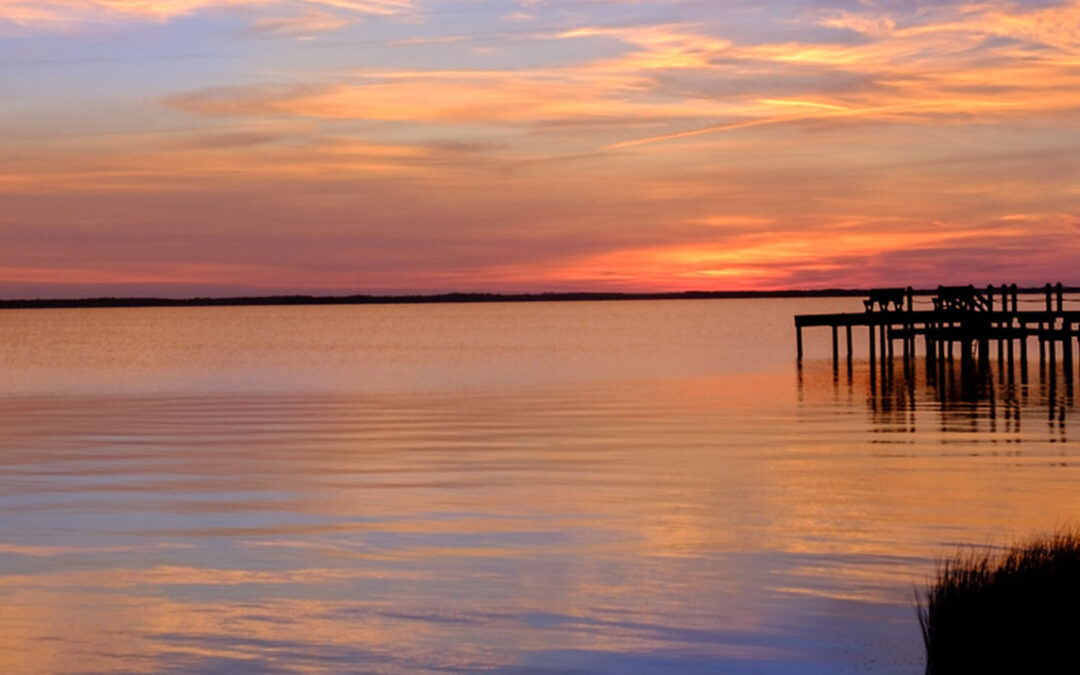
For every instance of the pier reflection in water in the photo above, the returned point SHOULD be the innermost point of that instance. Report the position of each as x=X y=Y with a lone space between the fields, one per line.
x=964 y=396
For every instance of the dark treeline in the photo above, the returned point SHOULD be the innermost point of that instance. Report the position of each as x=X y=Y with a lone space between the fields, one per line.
x=437 y=298
x=408 y=299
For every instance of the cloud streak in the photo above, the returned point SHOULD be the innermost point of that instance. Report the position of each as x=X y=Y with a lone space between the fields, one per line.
x=930 y=74
x=31 y=15
x=299 y=25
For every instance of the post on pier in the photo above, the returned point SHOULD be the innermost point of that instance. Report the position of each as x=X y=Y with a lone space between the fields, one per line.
x=1067 y=353
x=1001 y=352
x=984 y=343
x=884 y=348
x=1012 y=361
x=1051 y=345
x=835 y=349
x=847 y=331
x=1060 y=290
x=942 y=353
x=1042 y=353
x=1021 y=336
x=798 y=341
x=928 y=343
x=1052 y=362
x=873 y=354
x=1023 y=352
x=967 y=362
x=909 y=296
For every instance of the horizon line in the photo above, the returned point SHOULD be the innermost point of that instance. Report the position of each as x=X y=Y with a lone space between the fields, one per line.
x=449 y=297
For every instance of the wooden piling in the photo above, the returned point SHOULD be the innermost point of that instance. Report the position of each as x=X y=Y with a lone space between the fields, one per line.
x=1052 y=375
x=910 y=339
x=847 y=330
x=873 y=357
x=967 y=361
x=1067 y=350
x=881 y=333
x=1042 y=348
x=1051 y=345
x=928 y=343
x=835 y=349
x=1011 y=359
x=1023 y=353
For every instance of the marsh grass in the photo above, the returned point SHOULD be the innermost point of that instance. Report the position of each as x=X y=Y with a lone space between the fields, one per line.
x=1016 y=611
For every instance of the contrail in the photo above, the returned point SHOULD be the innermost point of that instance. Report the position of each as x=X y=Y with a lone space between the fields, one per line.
x=762 y=121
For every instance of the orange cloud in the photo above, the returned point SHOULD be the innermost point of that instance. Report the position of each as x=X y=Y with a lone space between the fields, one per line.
x=307 y=23
x=206 y=158
x=460 y=97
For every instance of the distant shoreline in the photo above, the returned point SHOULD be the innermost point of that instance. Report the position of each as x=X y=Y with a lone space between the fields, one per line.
x=438 y=298
x=410 y=299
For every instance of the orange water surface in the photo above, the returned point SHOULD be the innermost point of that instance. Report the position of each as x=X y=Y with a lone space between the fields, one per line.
x=610 y=487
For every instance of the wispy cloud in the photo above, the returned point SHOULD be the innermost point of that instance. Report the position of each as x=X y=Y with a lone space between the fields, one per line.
x=299 y=25
x=926 y=74
x=71 y=14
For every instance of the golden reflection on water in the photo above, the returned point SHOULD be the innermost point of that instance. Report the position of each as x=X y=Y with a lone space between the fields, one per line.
x=756 y=520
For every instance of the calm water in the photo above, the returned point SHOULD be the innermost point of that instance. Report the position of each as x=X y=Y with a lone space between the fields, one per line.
x=508 y=488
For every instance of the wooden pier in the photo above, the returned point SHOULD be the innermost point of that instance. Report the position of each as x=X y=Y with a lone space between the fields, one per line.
x=964 y=322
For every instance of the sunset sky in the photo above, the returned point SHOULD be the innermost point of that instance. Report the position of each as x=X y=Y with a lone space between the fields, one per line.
x=186 y=147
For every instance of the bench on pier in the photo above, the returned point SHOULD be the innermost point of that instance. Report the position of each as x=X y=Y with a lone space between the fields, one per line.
x=886 y=299
x=962 y=299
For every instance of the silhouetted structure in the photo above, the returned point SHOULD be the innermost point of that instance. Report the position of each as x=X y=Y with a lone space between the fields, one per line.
x=964 y=320
x=888 y=300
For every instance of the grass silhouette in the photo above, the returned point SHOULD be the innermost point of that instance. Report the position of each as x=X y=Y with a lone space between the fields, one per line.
x=1011 y=612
